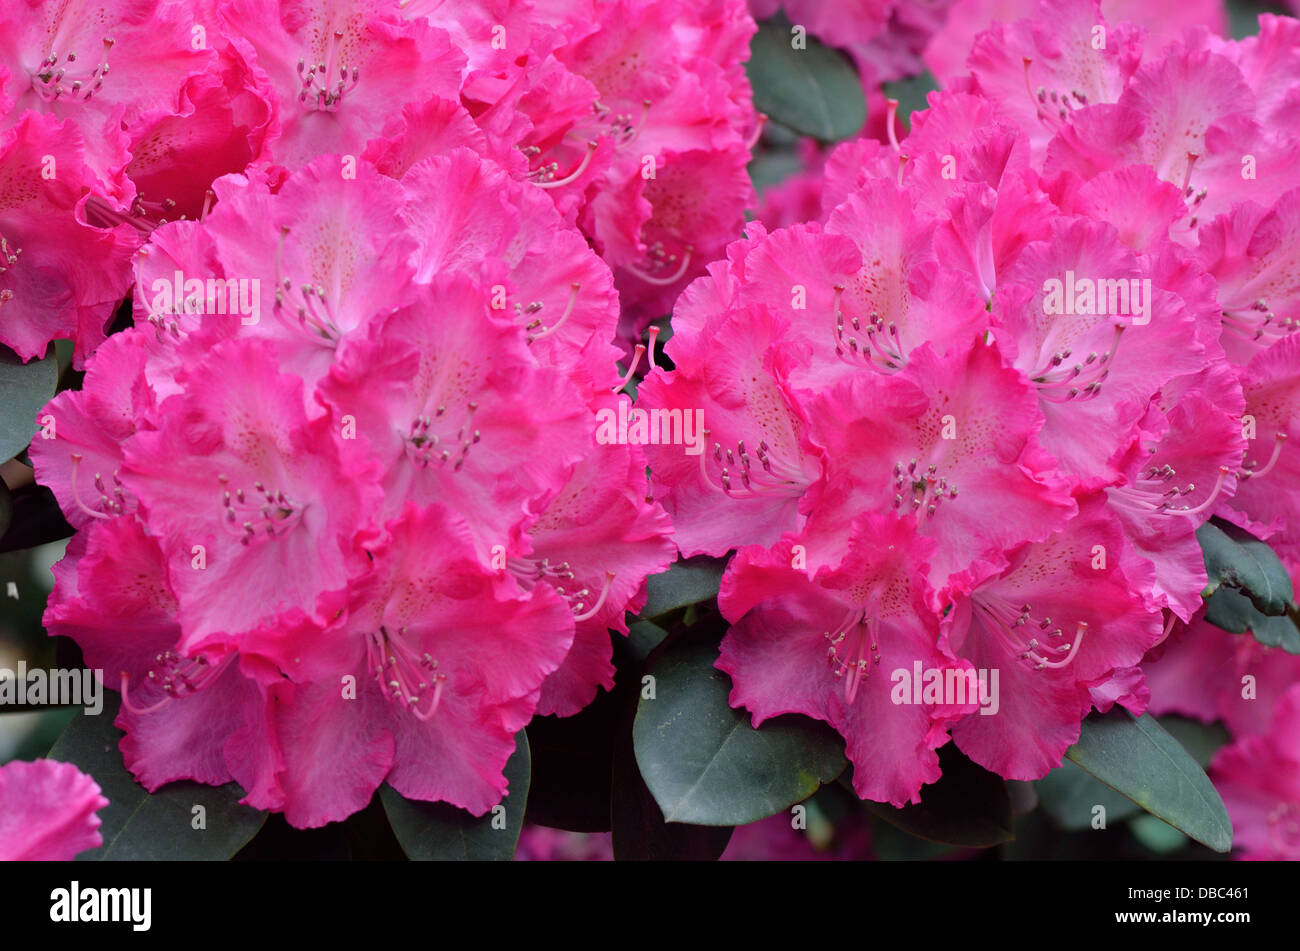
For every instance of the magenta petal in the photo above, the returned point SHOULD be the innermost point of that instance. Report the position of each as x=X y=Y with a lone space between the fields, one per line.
x=47 y=811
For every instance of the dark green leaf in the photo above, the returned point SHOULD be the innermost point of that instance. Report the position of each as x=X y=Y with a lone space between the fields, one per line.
x=437 y=831
x=24 y=389
x=703 y=761
x=163 y=826
x=1142 y=761
x=1201 y=740
x=1230 y=610
x=1069 y=793
x=889 y=843
x=643 y=637
x=968 y=806
x=1277 y=632
x=1236 y=559
x=772 y=168
x=1233 y=612
x=684 y=583
x=640 y=833
x=815 y=91
x=1243 y=16
x=911 y=94
x=63 y=353
x=137 y=825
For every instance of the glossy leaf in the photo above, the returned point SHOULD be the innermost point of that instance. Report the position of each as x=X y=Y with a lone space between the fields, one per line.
x=1138 y=758
x=1201 y=740
x=815 y=90
x=640 y=833
x=643 y=637
x=1070 y=793
x=1236 y=559
x=437 y=831
x=684 y=583
x=1234 y=612
x=24 y=389
x=705 y=763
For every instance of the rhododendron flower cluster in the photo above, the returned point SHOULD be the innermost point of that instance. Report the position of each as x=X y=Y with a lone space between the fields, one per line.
x=112 y=120
x=367 y=438
x=970 y=416
x=342 y=517
x=115 y=121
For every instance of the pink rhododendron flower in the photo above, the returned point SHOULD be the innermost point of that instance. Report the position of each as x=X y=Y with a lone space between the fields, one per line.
x=1040 y=70
x=130 y=111
x=1251 y=252
x=823 y=647
x=543 y=844
x=1063 y=616
x=1187 y=457
x=554 y=286
x=1206 y=673
x=423 y=130
x=629 y=126
x=151 y=94
x=884 y=37
x=60 y=277
x=338 y=69
x=47 y=811
x=246 y=494
x=873 y=307
x=1189 y=115
x=365 y=704
x=849 y=22
x=448 y=408
x=310 y=264
x=1163 y=21
x=742 y=484
x=1268 y=62
x=447 y=658
x=914 y=337
x=1265 y=500
x=952 y=443
x=83 y=462
x=594 y=543
x=1259 y=779
x=185 y=717
x=1141 y=207
x=1094 y=370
